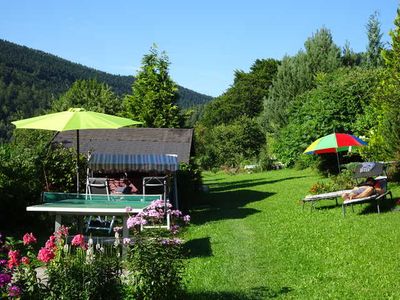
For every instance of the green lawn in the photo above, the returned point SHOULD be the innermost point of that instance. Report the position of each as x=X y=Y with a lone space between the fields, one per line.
x=250 y=239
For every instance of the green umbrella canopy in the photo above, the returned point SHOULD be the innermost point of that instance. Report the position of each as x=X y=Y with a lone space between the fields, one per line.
x=75 y=119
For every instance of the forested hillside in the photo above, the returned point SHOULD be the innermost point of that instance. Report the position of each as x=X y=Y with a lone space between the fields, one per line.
x=31 y=79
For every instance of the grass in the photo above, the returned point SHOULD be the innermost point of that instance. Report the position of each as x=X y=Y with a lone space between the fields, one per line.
x=250 y=239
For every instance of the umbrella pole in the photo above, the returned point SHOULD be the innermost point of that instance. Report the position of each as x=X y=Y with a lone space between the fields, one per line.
x=77 y=161
x=338 y=163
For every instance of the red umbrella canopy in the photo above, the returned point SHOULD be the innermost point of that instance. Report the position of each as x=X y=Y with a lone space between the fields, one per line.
x=333 y=143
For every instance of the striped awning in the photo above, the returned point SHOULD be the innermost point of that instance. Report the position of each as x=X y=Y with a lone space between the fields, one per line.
x=133 y=162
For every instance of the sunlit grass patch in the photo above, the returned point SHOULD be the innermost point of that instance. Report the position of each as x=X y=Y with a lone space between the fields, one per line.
x=253 y=240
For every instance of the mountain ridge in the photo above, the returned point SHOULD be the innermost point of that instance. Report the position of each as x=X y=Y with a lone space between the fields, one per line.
x=31 y=79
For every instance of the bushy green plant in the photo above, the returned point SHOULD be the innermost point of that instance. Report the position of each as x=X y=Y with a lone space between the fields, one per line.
x=321 y=187
x=17 y=269
x=19 y=183
x=189 y=184
x=81 y=270
x=265 y=160
x=155 y=266
x=28 y=166
x=345 y=180
x=229 y=144
x=393 y=172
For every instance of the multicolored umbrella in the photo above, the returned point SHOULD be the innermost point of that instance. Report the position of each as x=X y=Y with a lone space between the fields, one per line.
x=334 y=143
x=75 y=119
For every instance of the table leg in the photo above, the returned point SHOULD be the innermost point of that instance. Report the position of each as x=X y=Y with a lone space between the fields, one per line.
x=57 y=223
x=125 y=233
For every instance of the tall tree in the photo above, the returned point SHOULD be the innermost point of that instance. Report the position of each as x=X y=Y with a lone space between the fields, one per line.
x=388 y=96
x=90 y=95
x=296 y=75
x=349 y=57
x=154 y=95
x=375 y=45
x=244 y=97
x=322 y=54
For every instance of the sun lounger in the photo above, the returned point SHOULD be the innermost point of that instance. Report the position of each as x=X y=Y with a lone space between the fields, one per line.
x=375 y=198
x=313 y=199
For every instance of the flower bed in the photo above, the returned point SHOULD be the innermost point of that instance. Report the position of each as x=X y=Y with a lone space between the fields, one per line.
x=81 y=269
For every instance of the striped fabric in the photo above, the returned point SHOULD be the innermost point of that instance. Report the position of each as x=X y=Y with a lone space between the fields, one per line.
x=133 y=162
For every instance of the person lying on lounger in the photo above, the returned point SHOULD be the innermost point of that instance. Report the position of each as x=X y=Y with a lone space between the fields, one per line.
x=370 y=187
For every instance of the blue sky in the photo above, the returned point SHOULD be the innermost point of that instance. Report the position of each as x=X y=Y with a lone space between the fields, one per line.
x=205 y=40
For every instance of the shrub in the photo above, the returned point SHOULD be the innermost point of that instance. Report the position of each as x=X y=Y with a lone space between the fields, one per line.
x=155 y=266
x=81 y=270
x=321 y=187
x=17 y=269
x=189 y=184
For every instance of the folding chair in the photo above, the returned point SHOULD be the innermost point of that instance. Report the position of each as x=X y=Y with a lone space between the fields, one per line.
x=98 y=186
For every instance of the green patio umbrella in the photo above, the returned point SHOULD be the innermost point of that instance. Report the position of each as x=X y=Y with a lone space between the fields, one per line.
x=75 y=119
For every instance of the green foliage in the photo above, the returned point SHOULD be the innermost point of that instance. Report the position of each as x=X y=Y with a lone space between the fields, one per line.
x=29 y=166
x=189 y=184
x=229 y=144
x=72 y=276
x=20 y=183
x=59 y=169
x=265 y=160
x=375 y=45
x=296 y=75
x=333 y=106
x=349 y=57
x=321 y=187
x=244 y=97
x=90 y=95
x=154 y=95
x=388 y=97
x=322 y=55
x=156 y=270
x=21 y=265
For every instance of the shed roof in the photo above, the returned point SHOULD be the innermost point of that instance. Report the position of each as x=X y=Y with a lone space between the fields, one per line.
x=132 y=141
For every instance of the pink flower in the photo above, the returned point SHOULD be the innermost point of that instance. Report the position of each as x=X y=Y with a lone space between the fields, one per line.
x=128 y=209
x=4 y=279
x=127 y=241
x=61 y=232
x=174 y=241
x=51 y=242
x=174 y=229
x=136 y=220
x=117 y=229
x=25 y=260
x=186 y=219
x=79 y=240
x=13 y=259
x=45 y=255
x=29 y=239
x=176 y=213
x=14 y=291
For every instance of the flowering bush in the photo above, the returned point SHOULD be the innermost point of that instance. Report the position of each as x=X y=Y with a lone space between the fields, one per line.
x=81 y=270
x=84 y=270
x=155 y=266
x=17 y=269
x=155 y=215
